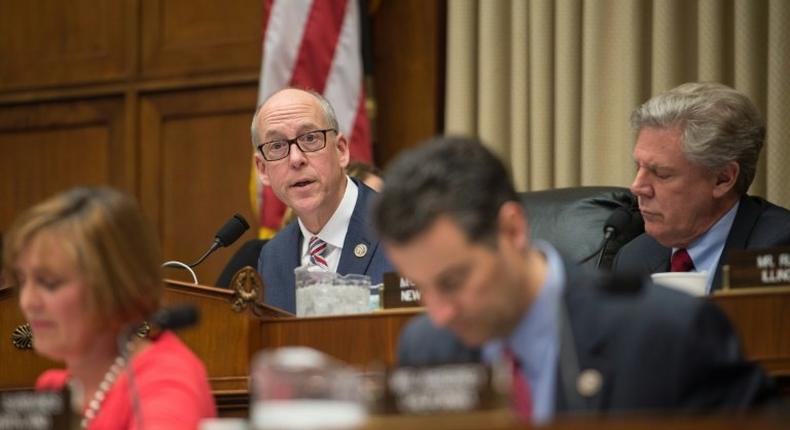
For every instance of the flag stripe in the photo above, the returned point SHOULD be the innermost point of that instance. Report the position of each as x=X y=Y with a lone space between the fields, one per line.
x=360 y=136
x=318 y=44
x=345 y=76
x=314 y=44
x=272 y=210
x=267 y=9
x=281 y=45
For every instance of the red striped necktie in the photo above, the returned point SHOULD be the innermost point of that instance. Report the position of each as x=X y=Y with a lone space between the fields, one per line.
x=521 y=397
x=681 y=261
x=317 y=249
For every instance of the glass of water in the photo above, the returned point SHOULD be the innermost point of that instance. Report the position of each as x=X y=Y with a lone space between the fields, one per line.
x=299 y=388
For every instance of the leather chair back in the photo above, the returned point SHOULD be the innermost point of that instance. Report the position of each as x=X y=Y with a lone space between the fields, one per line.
x=247 y=255
x=572 y=219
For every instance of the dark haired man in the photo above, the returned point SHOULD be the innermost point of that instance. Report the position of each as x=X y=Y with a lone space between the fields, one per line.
x=451 y=222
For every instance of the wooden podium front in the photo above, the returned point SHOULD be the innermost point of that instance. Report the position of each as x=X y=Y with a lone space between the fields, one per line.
x=227 y=337
x=361 y=340
x=762 y=321
x=227 y=340
x=231 y=331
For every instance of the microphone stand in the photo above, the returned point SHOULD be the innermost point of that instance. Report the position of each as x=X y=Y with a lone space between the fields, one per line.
x=607 y=236
x=229 y=233
x=599 y=251
x=618 y=219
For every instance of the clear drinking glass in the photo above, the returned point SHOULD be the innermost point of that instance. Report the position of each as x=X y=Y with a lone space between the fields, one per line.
x=302 y=388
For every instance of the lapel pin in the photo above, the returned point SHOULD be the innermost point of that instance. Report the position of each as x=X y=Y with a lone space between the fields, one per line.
x=360 y=250
x=589 y=382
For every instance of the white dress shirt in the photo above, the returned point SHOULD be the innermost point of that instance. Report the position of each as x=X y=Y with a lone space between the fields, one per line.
x=334 y=231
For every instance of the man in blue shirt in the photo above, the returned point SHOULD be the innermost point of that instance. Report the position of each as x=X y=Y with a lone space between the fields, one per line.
x=696 y=154
x=452 y=223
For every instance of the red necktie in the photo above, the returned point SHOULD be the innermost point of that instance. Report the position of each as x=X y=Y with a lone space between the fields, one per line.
x=521 y=397
x=681 y=261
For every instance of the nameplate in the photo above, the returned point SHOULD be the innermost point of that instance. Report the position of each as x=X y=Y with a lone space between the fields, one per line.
x=443 y=389
x=31 y=410
x=760 y=268
x=399 y=292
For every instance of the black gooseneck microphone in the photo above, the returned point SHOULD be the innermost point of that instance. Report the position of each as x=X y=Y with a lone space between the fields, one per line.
x=227 y=234
x=615 y=223
x=175 y=317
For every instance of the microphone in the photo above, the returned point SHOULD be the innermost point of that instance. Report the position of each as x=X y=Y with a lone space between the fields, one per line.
x=225 y=236
x=231 y=231
x=617 y=221
x=175 y=317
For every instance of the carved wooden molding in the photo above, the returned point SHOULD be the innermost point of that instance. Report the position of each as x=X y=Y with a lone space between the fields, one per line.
x=143 y=331
x=247 y=287
x=22 y=337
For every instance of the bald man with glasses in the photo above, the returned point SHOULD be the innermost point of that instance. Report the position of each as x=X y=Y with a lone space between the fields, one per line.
x=302 y=155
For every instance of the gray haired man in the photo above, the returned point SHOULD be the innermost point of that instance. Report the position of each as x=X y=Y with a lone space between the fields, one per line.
x=696 y=154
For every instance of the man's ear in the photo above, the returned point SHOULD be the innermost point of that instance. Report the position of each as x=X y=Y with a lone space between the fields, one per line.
x=343 y=150
x=260 y=166
x=726 y=177
x=512 y=225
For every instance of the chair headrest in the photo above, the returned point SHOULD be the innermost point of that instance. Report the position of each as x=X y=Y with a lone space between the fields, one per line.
x=572 y=219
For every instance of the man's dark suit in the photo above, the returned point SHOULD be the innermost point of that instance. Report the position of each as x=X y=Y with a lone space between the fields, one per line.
x=655 y=348
x=281 y=255
x=758 y=224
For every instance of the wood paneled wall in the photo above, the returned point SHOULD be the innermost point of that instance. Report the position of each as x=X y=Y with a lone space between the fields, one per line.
x=154 y=97
x=408 y=56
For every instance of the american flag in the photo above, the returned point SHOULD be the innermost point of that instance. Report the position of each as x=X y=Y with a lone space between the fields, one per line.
x=314 y=45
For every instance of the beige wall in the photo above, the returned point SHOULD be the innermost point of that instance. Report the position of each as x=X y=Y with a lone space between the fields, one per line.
x=550 y=84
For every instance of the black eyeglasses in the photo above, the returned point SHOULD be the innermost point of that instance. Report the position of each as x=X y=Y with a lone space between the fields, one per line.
x=311 y=141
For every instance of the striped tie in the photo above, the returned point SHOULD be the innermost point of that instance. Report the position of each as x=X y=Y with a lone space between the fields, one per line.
x=316 y=250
